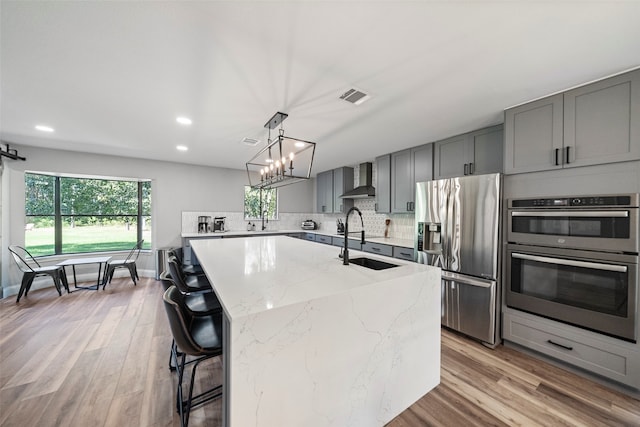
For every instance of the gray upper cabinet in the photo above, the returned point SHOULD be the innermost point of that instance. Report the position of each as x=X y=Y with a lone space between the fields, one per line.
x=602 y=121
x=472 y=153
x=324 y=192
x=487 y=146
x=342 y=182
x=592 y=124
x=408 y=167
x=533 y=136
x=401 y=181
x=383 y=184
x=330 y=185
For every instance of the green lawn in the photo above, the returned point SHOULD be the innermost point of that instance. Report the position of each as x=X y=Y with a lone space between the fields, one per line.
x=39 y=241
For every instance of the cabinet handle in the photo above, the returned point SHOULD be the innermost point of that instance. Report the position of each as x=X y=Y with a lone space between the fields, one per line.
x=375 y=249
x=566 y=347
x=557 y=150
x=567 y=149
x=405 y=254
x=375 y=207
x=466 y=169
x=471 y=169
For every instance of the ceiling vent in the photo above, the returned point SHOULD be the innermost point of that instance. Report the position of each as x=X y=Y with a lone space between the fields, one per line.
x=355 y=96
x=252 y=142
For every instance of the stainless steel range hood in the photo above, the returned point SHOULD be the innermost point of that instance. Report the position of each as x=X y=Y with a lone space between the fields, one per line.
x=365 y=188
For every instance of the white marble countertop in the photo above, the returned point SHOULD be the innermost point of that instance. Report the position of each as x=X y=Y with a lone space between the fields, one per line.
x=311 y=342
x=264 y=273
x=405 y=243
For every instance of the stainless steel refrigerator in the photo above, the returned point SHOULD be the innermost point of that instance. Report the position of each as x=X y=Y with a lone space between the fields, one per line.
x=457 y=229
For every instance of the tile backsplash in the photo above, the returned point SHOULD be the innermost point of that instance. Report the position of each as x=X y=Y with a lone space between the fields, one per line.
x=400 y=227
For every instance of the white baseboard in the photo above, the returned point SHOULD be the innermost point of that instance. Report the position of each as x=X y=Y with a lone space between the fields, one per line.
x=47 y=282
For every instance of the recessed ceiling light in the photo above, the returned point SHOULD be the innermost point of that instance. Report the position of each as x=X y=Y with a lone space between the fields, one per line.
x=182 y=147
x=183 y=120
x=44 y=128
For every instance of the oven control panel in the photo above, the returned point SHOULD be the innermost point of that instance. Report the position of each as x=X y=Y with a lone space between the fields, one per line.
x=626 y=200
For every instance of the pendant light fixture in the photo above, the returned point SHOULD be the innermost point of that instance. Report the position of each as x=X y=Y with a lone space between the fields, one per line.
x=283 y=161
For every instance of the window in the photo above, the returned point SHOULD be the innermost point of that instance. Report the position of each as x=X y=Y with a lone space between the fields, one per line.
x=66 y=215
x=258 y=201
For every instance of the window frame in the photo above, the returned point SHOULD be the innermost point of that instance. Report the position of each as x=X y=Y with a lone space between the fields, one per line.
x=276 y=208
x=58 y=216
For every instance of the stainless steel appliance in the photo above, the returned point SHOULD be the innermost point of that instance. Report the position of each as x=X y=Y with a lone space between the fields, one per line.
x=219 y=223
x=309 y=224
x=203 y=224
x=603 y=223
x=457 y=229
x=575 y=260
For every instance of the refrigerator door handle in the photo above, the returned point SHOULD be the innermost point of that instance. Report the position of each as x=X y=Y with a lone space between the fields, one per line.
x=468 y=280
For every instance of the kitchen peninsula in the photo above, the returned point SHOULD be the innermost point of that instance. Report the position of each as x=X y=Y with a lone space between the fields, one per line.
x=309 y=341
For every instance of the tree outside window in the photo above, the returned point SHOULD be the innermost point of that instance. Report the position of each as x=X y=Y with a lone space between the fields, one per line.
x=76 y=215
x=257 y=201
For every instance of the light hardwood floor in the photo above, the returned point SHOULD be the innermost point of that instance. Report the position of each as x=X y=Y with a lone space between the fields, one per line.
x=100 y=359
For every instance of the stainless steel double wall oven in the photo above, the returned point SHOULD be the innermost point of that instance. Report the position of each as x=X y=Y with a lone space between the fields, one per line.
x=575 y=260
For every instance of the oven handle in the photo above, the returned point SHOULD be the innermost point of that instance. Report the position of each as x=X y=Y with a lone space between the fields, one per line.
x=572 y=263
x=604 y=214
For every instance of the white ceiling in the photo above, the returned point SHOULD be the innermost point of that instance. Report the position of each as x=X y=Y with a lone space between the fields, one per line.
x=111 y=77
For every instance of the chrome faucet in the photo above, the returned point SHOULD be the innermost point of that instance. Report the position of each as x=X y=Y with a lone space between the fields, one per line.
x=345 y=252
x=264 y=214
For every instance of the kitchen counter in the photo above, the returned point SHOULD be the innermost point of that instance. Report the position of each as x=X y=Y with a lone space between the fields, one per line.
x=406 y=243
x=309 y=341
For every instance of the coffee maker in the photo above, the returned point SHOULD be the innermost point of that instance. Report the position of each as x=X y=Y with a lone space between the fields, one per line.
x=218 y=223
x=203 y=224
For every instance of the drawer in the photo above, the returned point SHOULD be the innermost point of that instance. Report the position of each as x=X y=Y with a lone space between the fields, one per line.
x=377 y=248
x=403 y=253
x=576 y=348
x=310 y=236
x=321 y=238
x=353 y=243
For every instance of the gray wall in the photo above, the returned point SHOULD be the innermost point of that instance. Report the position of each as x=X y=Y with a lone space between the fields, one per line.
x=175 y=188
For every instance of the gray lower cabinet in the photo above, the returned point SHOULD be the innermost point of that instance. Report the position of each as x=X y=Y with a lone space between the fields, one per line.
x=383 y=184
x=377 y=248
x=592 y=124
x=408 y=167
x=310 y=236
x=321 y=238
x=473 y=153
x=353 y=243
x=403 y=253
x=611 y=358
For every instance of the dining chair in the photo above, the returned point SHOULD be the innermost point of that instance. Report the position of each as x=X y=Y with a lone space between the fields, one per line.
x=31 y=269
x=129 y=263
x=196 y=337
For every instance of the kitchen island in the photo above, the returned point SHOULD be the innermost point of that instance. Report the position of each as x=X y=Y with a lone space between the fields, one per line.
x=311 y=342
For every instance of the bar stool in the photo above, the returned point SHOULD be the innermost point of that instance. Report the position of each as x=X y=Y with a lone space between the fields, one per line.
x=187 y=284
x=200 y=338
x=200 y=304
x=187 y=269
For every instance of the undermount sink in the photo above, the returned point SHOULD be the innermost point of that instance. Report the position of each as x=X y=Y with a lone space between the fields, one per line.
x=373 y=264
